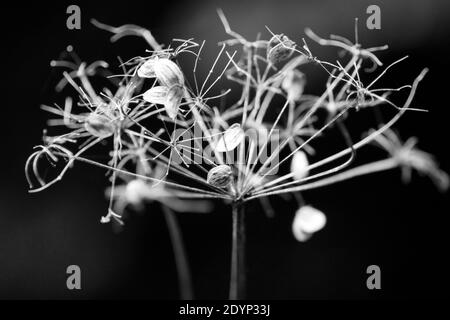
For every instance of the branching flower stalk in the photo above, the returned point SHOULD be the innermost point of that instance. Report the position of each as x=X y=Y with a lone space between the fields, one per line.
x=170 y=137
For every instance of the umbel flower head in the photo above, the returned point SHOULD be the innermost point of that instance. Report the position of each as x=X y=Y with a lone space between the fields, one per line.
x=158 y=119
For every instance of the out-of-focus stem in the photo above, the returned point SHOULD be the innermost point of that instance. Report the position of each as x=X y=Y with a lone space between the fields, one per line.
x=182 y=265
x=237 y=277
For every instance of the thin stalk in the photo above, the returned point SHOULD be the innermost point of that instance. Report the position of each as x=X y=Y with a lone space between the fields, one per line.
x=381 y=165
x=181 y=262
x=237 y=278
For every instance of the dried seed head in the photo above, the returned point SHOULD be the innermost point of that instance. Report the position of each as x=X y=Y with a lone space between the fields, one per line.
x=299 y=165
x=169 y=97
x=219 y=176
x=232 y=137
x=99 y=125
x=165 y=70
x=279 y=49
x=307 y=221
x=294 y=84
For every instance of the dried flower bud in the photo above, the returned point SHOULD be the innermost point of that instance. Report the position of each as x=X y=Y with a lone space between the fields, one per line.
x=219 y=176
x=99 y=125
x=280 y=48
x=169 y=97
x=232 y=137
x=307 y=221
x=165 y=70
x=299 y=165
x=294 y=84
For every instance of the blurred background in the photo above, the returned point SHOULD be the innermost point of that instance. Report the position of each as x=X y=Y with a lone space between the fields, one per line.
x=371 y=220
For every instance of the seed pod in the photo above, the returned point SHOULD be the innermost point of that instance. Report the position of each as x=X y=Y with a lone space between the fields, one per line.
x=169 y=97
x=219 y=176
x=232 y=137
x=99 y=125
x=156 y=95
x=294 y=84
x=279 y=49
x=147 y=70
x=174 y=96
x=299 y=165
x=307 y=221
x=165 y=70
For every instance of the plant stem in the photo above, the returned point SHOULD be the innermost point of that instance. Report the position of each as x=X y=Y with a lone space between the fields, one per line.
x=182 y=265
x=237 y=278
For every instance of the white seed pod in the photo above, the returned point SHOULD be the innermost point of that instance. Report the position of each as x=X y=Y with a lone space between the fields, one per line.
x=156 y=95
x=299 y=165
x=279 y=49
x=147 y=70
x=219 y=176
x=232 y=137
x=136 y=191
x=307 y=221
x=174 y=96
x=165 y=70
x=169 y=97
x=99 y=125
x=294 y=84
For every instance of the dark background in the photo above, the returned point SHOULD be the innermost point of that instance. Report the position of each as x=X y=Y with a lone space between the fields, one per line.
x=371 y=220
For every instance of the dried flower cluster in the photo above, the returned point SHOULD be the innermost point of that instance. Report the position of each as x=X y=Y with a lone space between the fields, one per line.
x=168 y=138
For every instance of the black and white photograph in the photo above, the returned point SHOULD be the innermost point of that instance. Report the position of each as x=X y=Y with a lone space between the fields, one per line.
x=225 y=151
